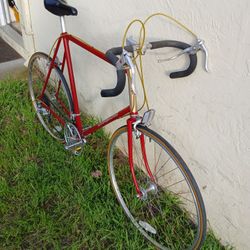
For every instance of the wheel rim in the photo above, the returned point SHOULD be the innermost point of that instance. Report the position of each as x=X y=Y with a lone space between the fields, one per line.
x=55 y=96
x=172 y=209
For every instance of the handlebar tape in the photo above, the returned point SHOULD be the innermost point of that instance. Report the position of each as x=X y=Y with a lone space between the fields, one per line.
x=179 y=45
x=111 y=55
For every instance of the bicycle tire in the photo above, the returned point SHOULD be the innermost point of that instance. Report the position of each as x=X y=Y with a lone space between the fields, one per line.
x=183 y=212
x=57 y=98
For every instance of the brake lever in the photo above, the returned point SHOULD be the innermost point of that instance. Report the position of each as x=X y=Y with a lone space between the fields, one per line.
x=199 y=45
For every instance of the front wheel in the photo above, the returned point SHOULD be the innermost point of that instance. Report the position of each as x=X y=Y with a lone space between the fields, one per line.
x=170 y=212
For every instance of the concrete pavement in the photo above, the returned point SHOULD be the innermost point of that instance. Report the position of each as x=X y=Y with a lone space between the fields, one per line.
x=11 y=63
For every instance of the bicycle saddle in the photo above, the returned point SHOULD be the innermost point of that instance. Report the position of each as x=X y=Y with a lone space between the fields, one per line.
x=60 y=8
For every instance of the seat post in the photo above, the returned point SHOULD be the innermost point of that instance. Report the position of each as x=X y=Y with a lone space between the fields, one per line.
x=63 y=26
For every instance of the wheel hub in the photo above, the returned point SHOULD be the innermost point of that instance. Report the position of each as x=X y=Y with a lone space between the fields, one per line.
x=152 y=188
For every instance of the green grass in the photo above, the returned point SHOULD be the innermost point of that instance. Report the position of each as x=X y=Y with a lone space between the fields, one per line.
x=49 y=199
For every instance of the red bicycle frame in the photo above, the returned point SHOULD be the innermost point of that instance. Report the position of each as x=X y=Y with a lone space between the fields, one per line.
x=131 y=110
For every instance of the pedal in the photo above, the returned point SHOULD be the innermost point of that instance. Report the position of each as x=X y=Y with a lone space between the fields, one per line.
x=75 y=147
x=73 y=140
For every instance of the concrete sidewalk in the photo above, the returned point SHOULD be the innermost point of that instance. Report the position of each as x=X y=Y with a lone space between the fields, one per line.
x=13 y=69
x=11 y=63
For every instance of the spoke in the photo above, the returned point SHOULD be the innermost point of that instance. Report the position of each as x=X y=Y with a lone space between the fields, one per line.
x=54 y=104
x=162 y=166
x=138 y=156
x=179 y=194
x=51 y=111
x=157 y=161
x=125 y=147
x=162 y=209
x=158 y=177
x=156 y=207
x=175 y=183
x=38 y=71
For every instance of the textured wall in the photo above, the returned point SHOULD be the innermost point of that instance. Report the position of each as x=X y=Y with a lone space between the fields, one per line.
x=205 y=116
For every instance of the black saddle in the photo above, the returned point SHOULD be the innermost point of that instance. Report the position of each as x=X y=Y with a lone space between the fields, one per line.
x=60 y=8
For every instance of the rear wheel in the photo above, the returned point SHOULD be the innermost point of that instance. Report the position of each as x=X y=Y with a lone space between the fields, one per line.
x=55 y=106
x=170 y=212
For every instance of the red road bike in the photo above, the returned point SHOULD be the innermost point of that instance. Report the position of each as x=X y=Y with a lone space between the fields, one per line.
x=151 y=181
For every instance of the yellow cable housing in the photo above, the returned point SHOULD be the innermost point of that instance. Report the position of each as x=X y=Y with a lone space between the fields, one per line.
x=142 y=37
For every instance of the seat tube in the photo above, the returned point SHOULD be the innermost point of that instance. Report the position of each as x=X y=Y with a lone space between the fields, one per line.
x=72 y=84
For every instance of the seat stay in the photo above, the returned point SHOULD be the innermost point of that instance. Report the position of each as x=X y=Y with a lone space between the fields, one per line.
x=52 y=65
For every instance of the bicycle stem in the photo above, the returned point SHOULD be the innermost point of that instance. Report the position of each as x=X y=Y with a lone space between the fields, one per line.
x=131 y=83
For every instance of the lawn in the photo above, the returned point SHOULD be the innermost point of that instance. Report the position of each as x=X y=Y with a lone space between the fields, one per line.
x=50 y=199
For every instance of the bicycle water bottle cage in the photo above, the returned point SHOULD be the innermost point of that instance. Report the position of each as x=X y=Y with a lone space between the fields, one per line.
x=60 y=8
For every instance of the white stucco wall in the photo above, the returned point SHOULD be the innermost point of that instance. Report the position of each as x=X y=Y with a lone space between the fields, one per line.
x=206 y=116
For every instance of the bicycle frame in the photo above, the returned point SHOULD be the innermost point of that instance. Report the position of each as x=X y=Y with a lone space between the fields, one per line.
x=65 y=39
x=130 y=110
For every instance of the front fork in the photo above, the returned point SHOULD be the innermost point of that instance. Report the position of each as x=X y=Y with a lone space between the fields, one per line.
x=131 y=128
